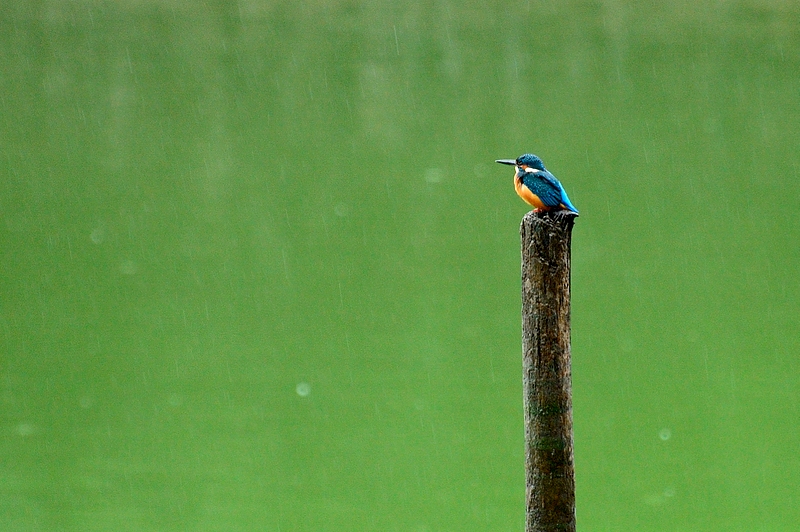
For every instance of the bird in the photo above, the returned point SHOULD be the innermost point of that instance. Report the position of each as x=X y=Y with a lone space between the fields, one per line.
x=536 y=186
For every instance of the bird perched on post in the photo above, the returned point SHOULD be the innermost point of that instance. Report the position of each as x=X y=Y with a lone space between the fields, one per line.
x=536 y=186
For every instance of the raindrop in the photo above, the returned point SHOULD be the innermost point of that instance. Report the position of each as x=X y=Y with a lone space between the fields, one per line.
x=98 y=235
x=626 y=342
x=669 y=492
x=86 y=402
x=341 y=210
x=665 y=434
x=128 y=267
x=480 y=170
x=303 y=389
x=434 y=175
x=175 y=400
x=25 y=429
x=654 y=499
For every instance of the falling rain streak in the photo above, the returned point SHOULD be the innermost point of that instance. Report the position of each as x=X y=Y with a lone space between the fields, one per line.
x=258 y=264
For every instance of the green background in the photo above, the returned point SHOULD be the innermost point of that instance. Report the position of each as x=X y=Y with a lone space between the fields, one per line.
x=260 y=272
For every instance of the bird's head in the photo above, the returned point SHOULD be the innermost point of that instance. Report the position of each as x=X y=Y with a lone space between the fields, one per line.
x=530 y=161
x=522 y=162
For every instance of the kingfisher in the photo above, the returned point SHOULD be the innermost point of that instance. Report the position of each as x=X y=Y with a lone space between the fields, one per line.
x=536 y=186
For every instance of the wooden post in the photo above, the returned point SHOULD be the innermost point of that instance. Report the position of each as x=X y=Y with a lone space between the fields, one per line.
x=547 y=374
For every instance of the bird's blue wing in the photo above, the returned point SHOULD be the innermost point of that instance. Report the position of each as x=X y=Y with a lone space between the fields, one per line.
x=544 y=185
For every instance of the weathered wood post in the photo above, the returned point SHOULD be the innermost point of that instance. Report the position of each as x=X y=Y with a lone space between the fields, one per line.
x=547 y=375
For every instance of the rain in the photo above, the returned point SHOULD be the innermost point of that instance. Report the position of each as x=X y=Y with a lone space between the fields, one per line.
x=260 y=271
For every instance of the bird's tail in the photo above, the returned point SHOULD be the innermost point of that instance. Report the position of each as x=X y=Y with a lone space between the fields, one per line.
x=566 y=203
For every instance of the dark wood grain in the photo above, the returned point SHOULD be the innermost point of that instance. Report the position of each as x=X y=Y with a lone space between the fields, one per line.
x=547 y=375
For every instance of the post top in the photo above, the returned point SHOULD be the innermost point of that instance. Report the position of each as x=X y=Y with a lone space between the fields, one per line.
x=555 y=220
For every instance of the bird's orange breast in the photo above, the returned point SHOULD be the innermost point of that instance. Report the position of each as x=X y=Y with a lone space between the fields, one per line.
x=527 y=196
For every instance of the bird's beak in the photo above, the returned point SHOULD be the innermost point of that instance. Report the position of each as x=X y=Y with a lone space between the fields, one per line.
x=510 y=162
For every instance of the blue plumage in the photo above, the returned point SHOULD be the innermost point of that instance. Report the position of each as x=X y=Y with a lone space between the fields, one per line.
x=532 y=174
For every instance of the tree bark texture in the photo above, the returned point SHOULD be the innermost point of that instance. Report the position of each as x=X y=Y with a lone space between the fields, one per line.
x=547 y=375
